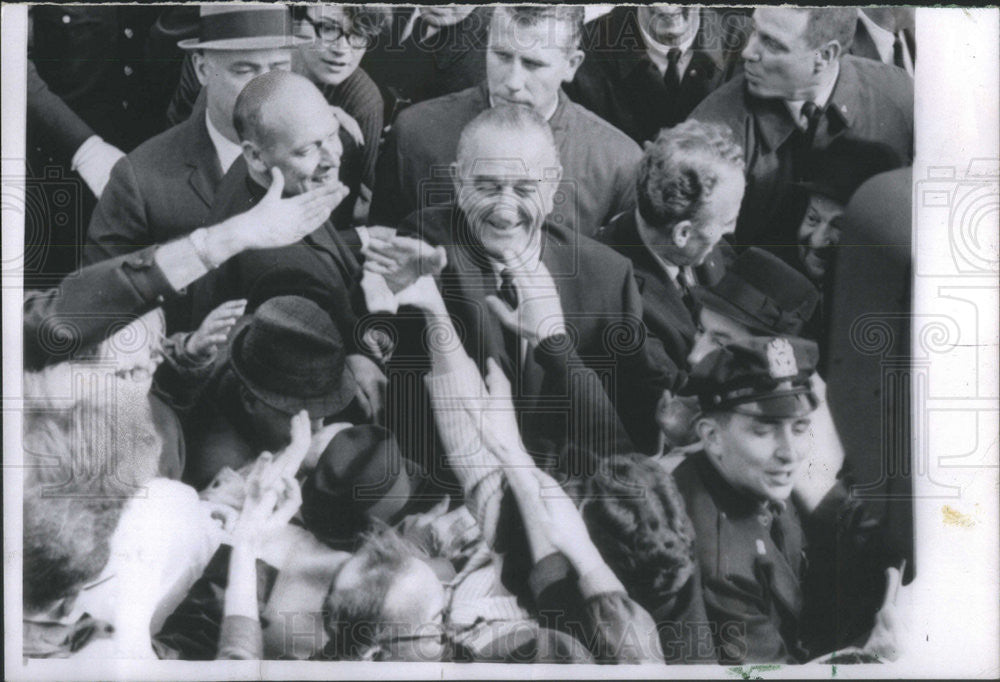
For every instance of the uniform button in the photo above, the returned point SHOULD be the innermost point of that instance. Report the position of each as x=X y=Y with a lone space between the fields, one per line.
x=124 y=105
x=128 y=70
x=128 y=33
x=66 y=19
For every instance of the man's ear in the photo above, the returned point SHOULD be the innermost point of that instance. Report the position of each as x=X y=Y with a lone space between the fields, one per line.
x=827 y=55
x=251 y=152
x=682 y=233
x=710 y=433
x=549 y=186
x=456 y=179
x=574 y=61
x=201 y=67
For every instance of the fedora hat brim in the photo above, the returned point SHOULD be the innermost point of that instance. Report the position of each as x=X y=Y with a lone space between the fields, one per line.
x=709 y=299
x=248 y=43
x=318 y=407
x=324 y=514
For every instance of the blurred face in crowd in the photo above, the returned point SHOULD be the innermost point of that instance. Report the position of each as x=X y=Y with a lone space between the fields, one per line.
x=505 y=185
x=759 y=455
x=135 y=351
x=818 y=234
x=778 y=60
x=337 y=48
x=300 y=136
x=716 y=330
x=413 y=607
x=668 y=24
x=526 y=65
x=223 y=73
x=691 y=241
x=445 y=15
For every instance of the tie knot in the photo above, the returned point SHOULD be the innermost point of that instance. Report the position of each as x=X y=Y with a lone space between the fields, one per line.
x=811 y=111
x=508 y=293
x=674 y=56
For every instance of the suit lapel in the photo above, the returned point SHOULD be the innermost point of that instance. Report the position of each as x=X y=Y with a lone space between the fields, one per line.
x=206 y=171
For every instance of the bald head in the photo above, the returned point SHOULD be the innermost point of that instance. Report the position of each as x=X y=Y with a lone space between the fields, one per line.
x=525 y=134
x=271 y=101
x=284 y=122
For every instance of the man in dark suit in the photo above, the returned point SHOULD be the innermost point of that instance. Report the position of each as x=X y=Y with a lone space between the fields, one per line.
x=799 y=91
x=689 y=192
x=165 y=187
x=885 y=34
x=533 y=51
x=288 y=129
x=647 y=67
x=428 y=52
x=505 y=177
x=769 y=511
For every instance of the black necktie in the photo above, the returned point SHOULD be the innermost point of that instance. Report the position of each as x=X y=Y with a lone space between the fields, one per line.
x=897 y=52
x=812 y=114
x=686 y=296
x=507 y=292
x=672 y=76
x=777 y=532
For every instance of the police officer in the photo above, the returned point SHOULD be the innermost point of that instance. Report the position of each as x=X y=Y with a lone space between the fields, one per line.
x=779 y=538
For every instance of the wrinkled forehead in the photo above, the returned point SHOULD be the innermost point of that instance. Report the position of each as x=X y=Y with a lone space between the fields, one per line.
x=298 y=119
x=787 y=25
x=828 y=207
x=509 y=154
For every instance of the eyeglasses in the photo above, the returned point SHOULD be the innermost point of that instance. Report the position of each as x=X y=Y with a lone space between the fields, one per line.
x=330 y=31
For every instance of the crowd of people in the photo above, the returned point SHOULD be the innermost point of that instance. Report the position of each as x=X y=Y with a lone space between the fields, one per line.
x=459 y=333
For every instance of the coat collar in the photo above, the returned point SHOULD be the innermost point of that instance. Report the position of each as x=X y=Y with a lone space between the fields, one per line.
x=775 y=121
x=200 y=157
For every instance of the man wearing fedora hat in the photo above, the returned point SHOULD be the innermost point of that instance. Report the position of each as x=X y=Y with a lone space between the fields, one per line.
x=165 y=187
x=768 y=509
x=286 y=357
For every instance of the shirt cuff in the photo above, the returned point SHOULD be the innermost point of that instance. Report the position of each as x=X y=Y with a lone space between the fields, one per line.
x=599 y=580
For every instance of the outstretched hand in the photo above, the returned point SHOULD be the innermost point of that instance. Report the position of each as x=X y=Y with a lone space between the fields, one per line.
x=276 y=221
x=539 y=312
x=402 y=260
x=213 y=331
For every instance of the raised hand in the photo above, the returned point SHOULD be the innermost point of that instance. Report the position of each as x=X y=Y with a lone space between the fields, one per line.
x=371 y=385
x=268 y=507
x=214 y=329
x=539 y=313
x=277 y=221
x=402 y=260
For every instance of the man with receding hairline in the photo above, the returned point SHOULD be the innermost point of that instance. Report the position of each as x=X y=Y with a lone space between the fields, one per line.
x=286 y=125
x=498 y=234
x=532 y=51
x=164 y=189
x=799 y=91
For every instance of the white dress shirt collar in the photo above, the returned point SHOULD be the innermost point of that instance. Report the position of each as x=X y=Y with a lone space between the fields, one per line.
x=226 y=150
x=821 y=99
x=658 y=52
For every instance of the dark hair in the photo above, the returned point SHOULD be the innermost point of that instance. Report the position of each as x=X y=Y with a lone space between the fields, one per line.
x=679 y=170
x=533 y=15
x=637 y=520
x=366 y=20
x=831 y=23
x=355 y=619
